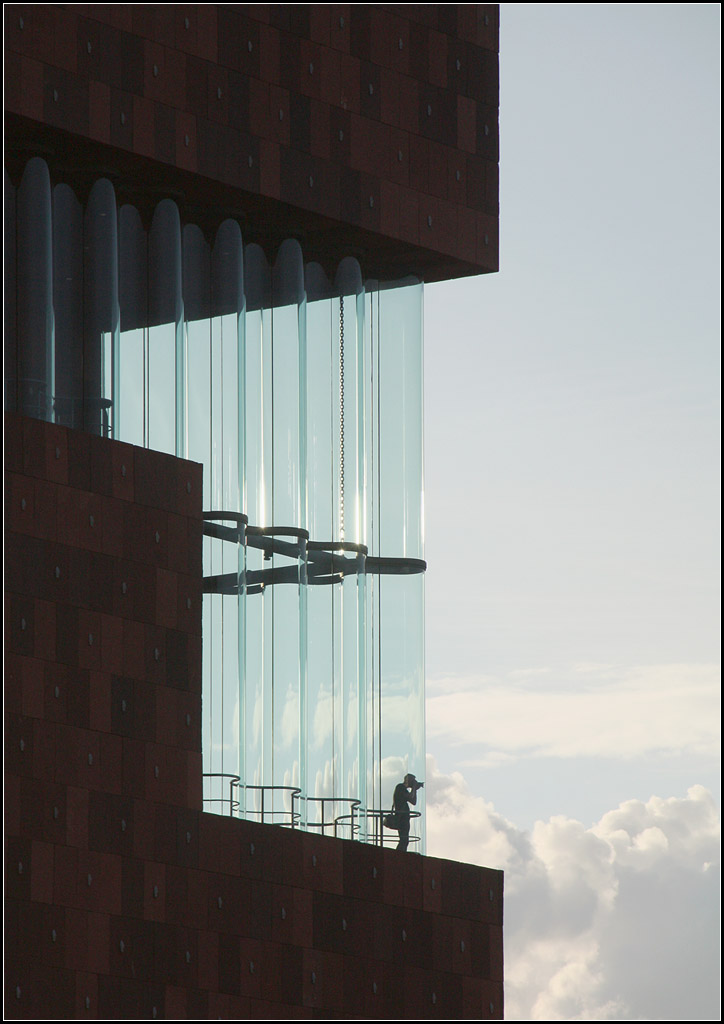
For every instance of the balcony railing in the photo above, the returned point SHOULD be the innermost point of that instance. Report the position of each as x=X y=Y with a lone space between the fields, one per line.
x=341 y=817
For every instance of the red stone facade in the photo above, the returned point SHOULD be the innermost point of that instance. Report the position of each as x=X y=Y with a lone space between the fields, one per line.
x=375 y=125
x=123 y=898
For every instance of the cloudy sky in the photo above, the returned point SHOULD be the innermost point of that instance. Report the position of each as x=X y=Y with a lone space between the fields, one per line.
x=572 y=519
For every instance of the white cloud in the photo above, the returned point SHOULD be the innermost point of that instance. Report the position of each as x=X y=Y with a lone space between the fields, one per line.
x=614 y=922
x=588 y=711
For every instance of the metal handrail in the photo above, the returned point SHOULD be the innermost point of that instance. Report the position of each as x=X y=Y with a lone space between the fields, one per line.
x=233 y=780
x=380 y=838
x=265 y=816
x=338 y=820
x=351 y=821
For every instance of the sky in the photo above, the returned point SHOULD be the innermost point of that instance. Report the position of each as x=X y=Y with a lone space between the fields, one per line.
x=572 y=519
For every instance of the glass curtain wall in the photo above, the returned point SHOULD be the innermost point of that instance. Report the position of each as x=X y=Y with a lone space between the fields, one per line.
x=302 y=398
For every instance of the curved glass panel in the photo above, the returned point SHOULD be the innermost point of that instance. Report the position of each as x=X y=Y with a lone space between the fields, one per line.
x=352 y=688
x=395 y=631
x=10 y=311
x=258 y=605
x=288 y=379
x=401 y=689
x=9 y=292
x=222 y=309
x=336 y=721
x=400 y=389
x=285 y=685
x=350 y=403
x=322 y=725
x=258 y=393
x=131 y=415
x=228 y=342
x=101 y=308
x=395 y=365
x=165 y=363
x=199 y=360
x=35 y=291
x=68 y=304
x=322 y=383
x=323 y=712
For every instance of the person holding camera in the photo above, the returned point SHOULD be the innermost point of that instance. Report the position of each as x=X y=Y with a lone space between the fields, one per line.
x=405 y=794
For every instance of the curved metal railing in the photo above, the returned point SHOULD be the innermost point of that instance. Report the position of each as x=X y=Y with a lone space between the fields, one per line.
x=339 y=823
x=356 y=822
x=376 y=833
x=228 y=803
x=261 y=811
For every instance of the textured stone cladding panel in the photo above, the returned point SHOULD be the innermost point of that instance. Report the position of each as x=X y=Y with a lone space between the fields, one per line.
x=383 y=117
x=103 y=615
x=124 y=899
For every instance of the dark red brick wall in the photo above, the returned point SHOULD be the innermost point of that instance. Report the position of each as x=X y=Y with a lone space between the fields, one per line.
x=123 y=898
x=381 y=118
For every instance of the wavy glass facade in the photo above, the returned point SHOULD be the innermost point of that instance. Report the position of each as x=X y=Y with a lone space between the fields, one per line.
x=302 y=398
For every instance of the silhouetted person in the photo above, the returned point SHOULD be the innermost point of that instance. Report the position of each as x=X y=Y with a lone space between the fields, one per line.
x=405 y=794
